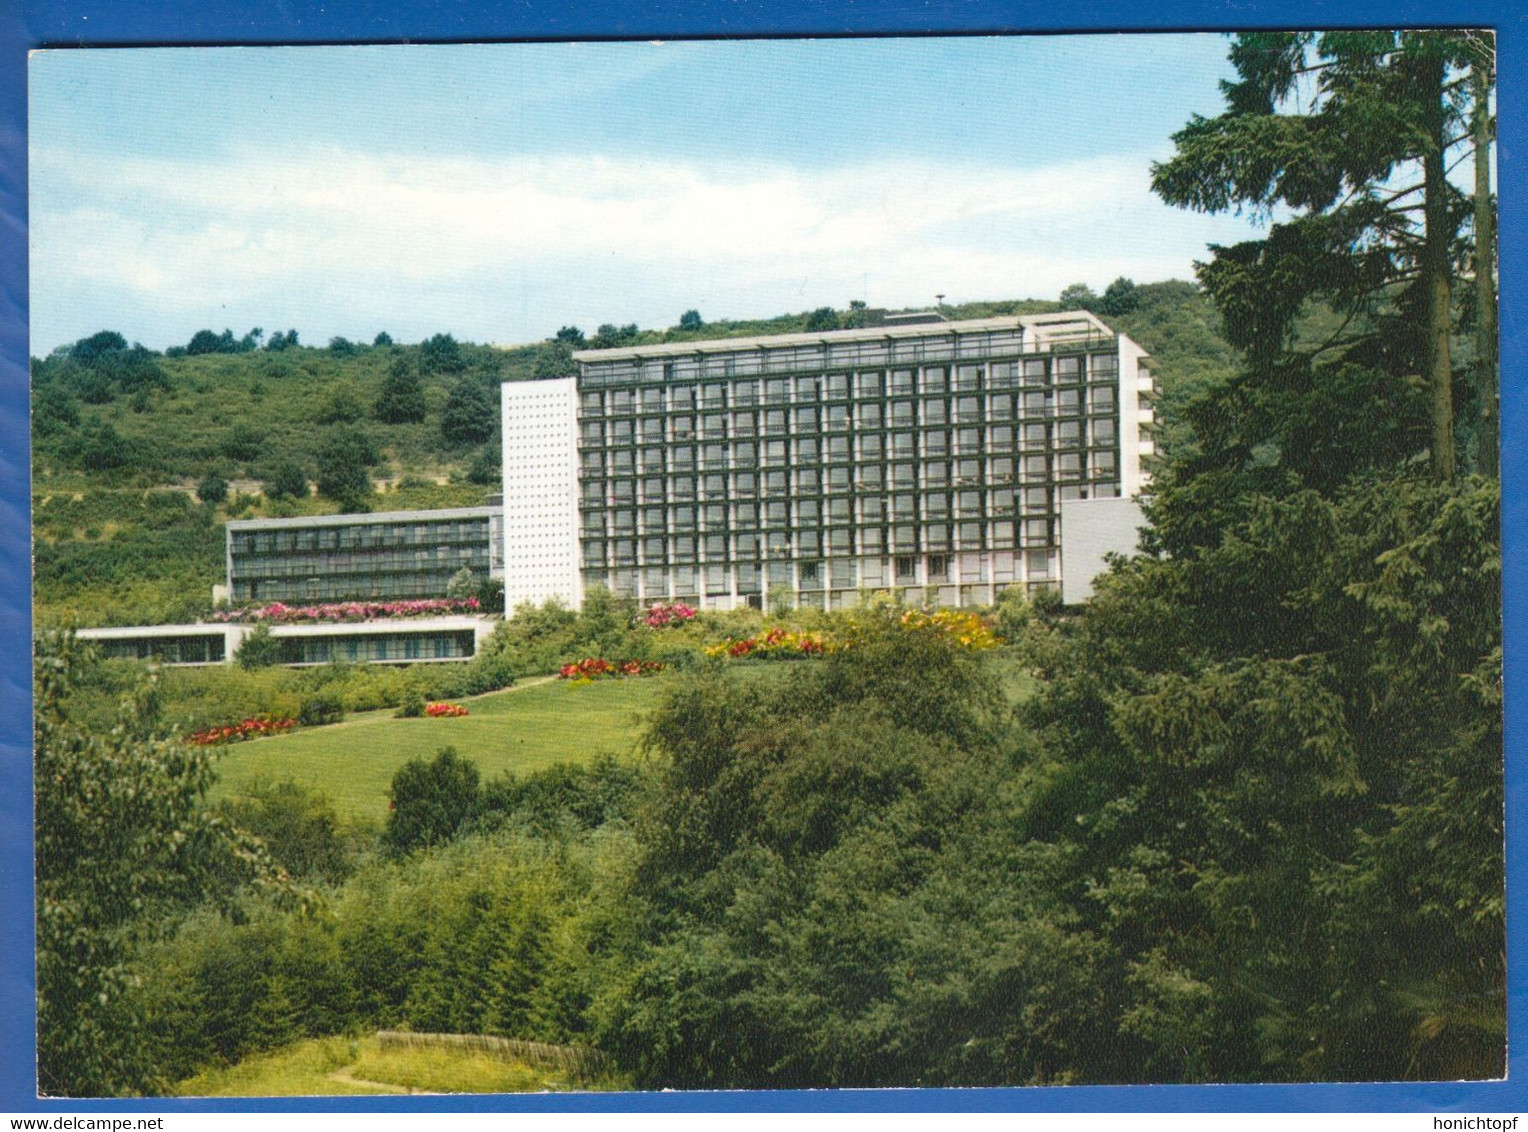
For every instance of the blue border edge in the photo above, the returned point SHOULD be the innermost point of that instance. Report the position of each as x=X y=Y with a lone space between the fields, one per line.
x=58 y=23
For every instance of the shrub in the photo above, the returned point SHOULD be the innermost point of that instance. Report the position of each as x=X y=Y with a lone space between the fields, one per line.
x=430 y=801
x=321 y=707
x=260 y=649
x=287 y=481
x=242 y=443
x=298 y=826
x=212 y=489
x=412 y=706
x=463 y=584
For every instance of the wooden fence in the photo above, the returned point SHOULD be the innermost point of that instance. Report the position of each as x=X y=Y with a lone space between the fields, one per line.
x=579 y=1061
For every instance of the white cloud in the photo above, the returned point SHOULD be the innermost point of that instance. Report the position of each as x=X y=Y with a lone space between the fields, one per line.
x=186 y=236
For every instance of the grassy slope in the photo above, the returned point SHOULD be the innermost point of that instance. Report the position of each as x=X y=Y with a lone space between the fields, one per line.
x=343 y=1066
x=521 y=730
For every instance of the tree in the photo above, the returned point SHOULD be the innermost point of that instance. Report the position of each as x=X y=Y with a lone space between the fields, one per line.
x=571 y=336
x=1078 y=297
x=823 y=318
x=383 y=338
x=430 y=801
x=1352 y=134
x=53 y=411
x=205 y=342
x=287 y=481
x=1120 y=298
x=1482 y=72
x=485 y=466
x=343 y=468
x=343 y=347
x=691 y=320
x=123 y=831
x=610 y=335
x=553 y=359
x=102 y=342
x=212 y=489
x=441 y=354
x=468 y=416
x=402 y=397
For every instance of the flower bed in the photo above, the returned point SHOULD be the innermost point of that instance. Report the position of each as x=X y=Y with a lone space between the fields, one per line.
x=349 y=610
x=776 y=644
x=970 y=630
x=663 y=615
x=439 y=711
x=248 y=729
x=596 y=668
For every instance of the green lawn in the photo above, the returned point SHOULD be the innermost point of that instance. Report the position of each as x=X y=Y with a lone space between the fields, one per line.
x=522 y=729
x=342 y=1066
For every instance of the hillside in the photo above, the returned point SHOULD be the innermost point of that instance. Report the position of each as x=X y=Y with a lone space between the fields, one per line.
x=125 y=438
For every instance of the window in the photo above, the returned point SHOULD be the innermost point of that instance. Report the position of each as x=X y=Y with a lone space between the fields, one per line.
x=906 y=567
x=938 y=567
x=1103 y=398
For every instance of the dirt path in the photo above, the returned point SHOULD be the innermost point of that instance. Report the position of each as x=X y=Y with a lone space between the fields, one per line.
x=343 y=1077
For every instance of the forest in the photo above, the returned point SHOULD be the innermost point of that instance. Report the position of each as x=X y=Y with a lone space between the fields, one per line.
x=1238 y=818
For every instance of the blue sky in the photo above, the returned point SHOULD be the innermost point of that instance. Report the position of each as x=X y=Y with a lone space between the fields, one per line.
x=499 y=192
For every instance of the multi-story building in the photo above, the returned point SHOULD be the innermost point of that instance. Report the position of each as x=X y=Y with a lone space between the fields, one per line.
x=946 y=460
x=372 y=557
x=375 y=557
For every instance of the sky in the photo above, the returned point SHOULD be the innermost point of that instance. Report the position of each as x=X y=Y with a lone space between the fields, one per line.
x=499 y=192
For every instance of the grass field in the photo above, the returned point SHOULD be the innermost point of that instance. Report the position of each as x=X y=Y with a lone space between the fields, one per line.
x=343 y=1067
x=521 y=729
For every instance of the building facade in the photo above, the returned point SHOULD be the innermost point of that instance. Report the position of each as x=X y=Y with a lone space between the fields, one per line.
x=372 y=557
x=402 y=641
x=931 y=458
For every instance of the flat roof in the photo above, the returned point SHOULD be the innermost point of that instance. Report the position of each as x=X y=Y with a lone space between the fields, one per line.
x=1039 y=323
x=351 y=520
